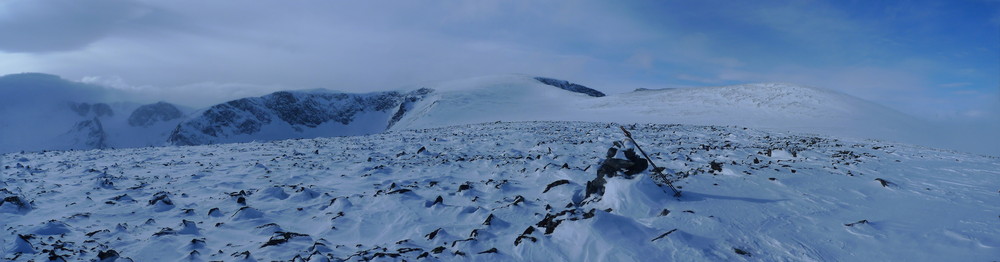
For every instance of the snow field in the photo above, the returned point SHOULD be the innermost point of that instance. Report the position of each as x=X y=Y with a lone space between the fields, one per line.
x=748 y=195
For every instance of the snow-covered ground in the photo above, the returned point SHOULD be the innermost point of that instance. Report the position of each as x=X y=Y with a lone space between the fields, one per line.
x=492 y=192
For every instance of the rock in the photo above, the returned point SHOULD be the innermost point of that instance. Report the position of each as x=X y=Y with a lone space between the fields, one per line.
x=107 y=255
x=150 y=114
x=431 y=235
x=489 y=220
x=863 y=221
x=282 y=237
x=555 y=184
x=663 y=235
x=883 y=182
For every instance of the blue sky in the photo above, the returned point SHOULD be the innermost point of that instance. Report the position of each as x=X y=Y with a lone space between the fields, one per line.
x=936 y=59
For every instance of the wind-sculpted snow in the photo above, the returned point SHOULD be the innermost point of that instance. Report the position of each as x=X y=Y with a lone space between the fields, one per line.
x=504 y=192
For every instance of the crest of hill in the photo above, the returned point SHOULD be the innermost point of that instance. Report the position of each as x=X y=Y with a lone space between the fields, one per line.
x=498 y=98
x=777 y=106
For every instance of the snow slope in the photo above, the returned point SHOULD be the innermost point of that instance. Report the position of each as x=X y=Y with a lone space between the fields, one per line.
x=492 y=192
x=772 y=106
x=493 y=98
x=780 y=107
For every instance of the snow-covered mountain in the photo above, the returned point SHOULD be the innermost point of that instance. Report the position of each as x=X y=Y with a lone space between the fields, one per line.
x=503 y=192
x=323 y=113
x=295 y=114
x=767 y=105
x=45 y=112
x=773 y=106
x=498 y=98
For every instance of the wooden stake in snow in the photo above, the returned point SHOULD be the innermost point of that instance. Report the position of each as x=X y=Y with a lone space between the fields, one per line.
x=656 y=170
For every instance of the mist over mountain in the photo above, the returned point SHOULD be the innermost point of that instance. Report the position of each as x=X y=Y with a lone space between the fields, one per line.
x=46 y=112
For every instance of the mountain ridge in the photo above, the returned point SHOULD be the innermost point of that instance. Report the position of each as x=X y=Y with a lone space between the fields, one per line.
x=778 y=106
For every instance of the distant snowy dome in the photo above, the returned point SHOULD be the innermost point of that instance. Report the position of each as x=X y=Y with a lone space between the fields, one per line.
x=775 y=106
x=496 y=98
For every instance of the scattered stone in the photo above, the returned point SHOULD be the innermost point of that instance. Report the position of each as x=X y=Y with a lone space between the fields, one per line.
x=161 y=197
x=92 y=233
x=518 y=199
x=400 y=191
x=17 y=201
x=715 y=166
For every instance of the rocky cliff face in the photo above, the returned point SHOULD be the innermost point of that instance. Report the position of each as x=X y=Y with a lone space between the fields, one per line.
x=88 y=134
x=566 y=85
x=294 y=114
x=150 y=114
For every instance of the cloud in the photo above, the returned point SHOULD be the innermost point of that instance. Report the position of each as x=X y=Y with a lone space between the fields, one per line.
x=955 y=84
x=63 y=25
x=208 y=93
x=27 y=98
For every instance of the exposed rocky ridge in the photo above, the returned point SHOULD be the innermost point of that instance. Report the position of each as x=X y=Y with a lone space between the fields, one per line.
x=566 y=85
x=147 y=115
x=298 y=110
x=89 y=134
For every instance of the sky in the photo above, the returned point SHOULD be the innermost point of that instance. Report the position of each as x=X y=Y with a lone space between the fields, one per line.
x=938 y=60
